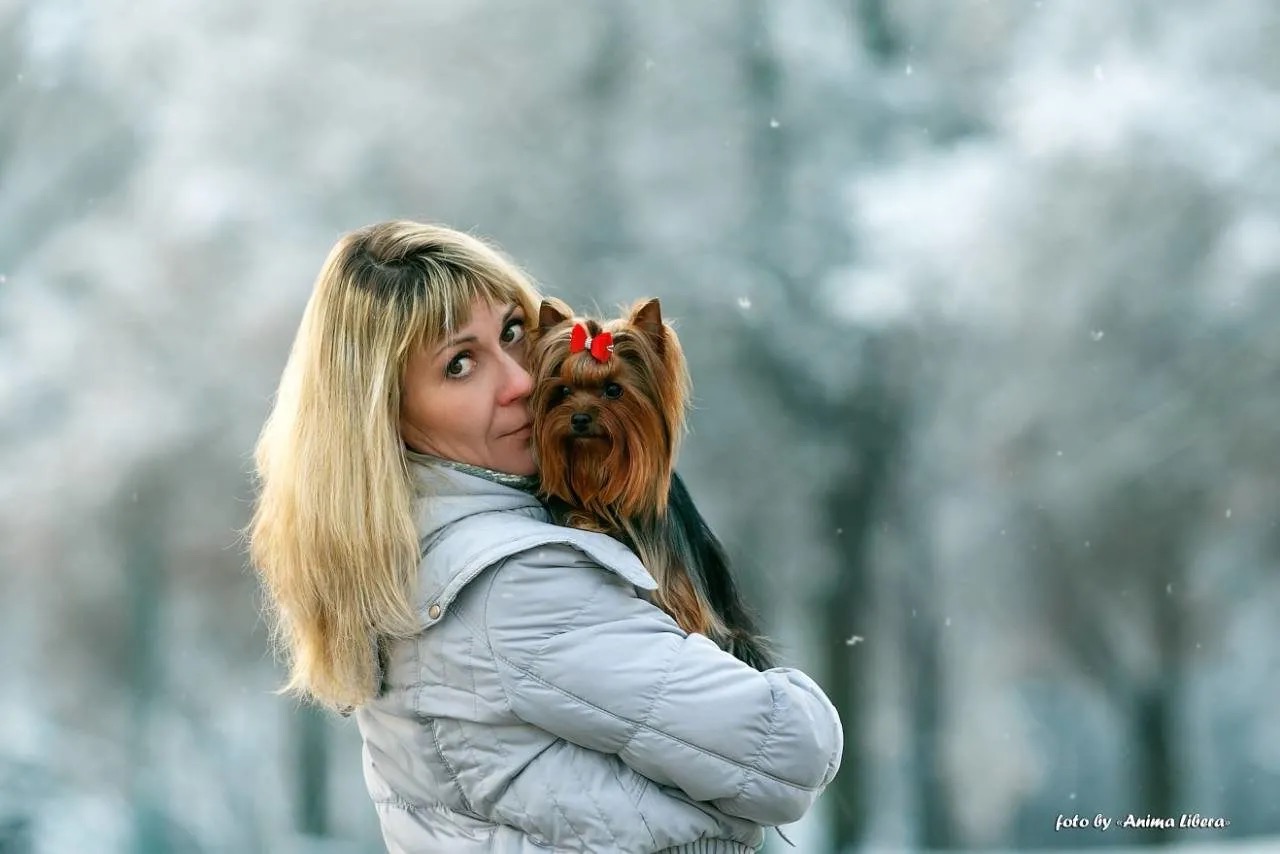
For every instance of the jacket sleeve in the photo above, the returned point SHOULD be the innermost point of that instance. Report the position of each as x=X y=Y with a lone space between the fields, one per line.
x=583 y=657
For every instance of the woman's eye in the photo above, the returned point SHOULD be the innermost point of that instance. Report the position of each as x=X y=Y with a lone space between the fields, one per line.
x=461 y=365
x=612 y=391
x=514 y=332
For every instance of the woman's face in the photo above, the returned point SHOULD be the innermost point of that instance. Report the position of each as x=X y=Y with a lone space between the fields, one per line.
x=467 y=400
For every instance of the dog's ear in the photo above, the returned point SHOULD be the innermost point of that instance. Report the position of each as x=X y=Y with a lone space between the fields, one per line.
x=551 y=312
x=647 y=316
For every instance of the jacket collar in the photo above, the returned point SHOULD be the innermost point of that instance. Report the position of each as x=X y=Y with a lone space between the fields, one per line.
x=524 y=483
x=448 y=494
x=469 y=522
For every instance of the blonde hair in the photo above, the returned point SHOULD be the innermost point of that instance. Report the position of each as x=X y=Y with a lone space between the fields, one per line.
x=332 y=533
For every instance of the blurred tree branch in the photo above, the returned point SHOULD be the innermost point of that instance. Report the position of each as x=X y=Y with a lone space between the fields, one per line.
x=875 y=31
x=42 y=186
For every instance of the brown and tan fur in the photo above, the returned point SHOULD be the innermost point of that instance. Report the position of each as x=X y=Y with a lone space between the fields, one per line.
x=613 y=471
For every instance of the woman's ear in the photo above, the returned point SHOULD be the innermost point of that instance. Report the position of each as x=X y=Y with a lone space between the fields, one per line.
x=552 y=312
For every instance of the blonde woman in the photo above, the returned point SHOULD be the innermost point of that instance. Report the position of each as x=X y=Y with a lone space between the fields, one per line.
x=513 y=691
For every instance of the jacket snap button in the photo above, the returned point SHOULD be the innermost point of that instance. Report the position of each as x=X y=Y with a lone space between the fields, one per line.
x=433 y=612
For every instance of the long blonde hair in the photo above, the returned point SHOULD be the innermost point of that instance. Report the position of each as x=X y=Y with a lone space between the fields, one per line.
x=332 y=532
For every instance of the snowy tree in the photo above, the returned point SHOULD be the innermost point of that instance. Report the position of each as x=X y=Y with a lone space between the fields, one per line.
x=1092 y=260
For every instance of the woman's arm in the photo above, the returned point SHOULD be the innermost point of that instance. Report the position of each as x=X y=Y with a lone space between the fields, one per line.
x=581 y=656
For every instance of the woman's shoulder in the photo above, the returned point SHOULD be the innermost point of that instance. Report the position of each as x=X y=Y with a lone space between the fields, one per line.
x=469 y=546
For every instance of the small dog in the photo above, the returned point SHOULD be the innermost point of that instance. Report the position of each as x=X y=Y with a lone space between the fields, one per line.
x=609 y=404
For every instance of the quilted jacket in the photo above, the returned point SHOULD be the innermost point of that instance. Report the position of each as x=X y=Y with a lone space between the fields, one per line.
x=547 y=705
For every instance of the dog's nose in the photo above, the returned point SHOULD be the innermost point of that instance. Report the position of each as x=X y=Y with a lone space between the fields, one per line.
x=580 y=421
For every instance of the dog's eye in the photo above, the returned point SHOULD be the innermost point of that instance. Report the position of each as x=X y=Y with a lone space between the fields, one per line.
x=613 y=391
x=562 y=392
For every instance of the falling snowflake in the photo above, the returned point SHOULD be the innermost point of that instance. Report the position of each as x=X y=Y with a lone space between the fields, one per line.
x=1096 y=335
x=948 y=622
x=774 y=123
x=1227 y=514
x=853 y=640
x=910 y=70
x=744 y=302
x=648 y=64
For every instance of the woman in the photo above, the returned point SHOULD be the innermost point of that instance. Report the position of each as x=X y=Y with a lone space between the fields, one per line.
x=512 y=690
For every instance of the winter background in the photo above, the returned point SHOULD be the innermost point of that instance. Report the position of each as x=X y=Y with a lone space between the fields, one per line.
x=982 y=306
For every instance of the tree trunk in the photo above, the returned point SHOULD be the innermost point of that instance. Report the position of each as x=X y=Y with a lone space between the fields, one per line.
x=923 y=660
x=852 y=509
x=601 y=237
x=144 y=525
x=1153 y=745
x=846 y=678
x=1155 y=707
x=15 y=834
x=313 y=771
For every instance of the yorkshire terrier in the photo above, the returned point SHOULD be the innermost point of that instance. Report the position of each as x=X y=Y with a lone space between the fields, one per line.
x=609 y=407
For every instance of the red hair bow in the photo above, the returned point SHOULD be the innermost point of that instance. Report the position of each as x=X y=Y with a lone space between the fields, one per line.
x=600 y=346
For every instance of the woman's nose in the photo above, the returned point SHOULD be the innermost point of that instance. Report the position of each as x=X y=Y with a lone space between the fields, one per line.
x=518 y=381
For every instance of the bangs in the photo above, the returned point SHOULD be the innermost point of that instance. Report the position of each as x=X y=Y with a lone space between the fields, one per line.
x=436 y=314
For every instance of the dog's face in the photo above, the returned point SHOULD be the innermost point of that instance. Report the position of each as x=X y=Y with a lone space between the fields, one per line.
x=608 y=407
